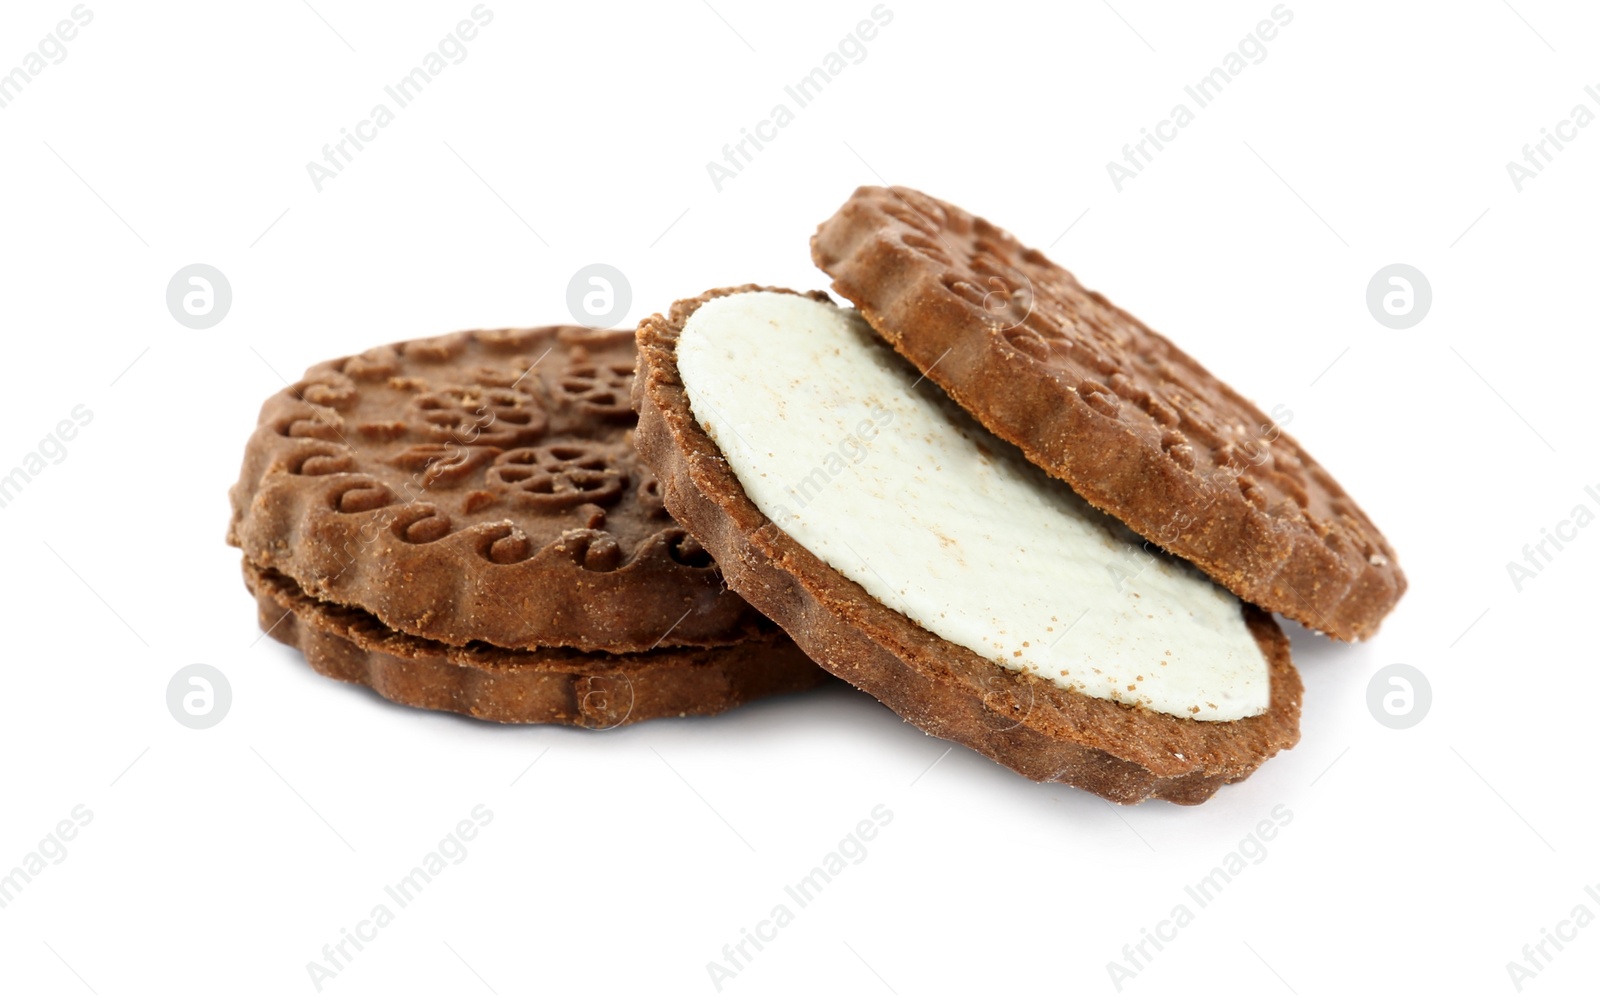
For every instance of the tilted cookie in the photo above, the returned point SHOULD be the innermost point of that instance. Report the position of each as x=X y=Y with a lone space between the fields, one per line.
x=480 y=487
x=912 y=553
x=1135 y=425
x=565 y=686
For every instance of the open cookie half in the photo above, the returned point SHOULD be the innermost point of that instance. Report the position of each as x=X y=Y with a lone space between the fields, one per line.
x=1095 y=397
x=925 y=561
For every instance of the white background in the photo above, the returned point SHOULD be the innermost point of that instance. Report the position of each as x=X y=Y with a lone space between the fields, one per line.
x=223 y=860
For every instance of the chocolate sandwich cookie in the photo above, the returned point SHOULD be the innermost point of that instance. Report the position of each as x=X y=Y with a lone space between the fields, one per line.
x=1092 y=395
x=480 y=487
x=912 y=553
x=565 y=686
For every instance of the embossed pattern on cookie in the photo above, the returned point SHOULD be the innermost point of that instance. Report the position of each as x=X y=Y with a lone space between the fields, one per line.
x=1096 y=398
x=480 y=487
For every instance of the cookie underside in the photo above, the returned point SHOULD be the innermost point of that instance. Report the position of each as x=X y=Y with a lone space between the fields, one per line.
x=558 y=686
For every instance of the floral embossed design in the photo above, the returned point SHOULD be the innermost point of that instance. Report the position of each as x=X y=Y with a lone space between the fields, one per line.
x=477 y=415
x=600 y=389
x=559 y=476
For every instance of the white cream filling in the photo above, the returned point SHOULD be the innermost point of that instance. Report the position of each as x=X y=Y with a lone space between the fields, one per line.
x=896 y=488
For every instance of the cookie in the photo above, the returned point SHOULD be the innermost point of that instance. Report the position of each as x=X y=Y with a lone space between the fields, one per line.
x=927 y=562
x=1099 y=400
x=569 y=687
x=480 y=487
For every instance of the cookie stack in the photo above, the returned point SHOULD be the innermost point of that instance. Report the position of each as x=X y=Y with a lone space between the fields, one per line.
x=984 y=495
x=462 y=523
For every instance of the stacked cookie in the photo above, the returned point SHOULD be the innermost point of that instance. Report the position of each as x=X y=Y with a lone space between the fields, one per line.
x=984 y=495
x=462 y=523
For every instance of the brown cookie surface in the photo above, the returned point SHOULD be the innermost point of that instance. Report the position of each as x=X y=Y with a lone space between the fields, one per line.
x=1034 y=726
x=481 y=486
x=1090 y=394
x=568 y=687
